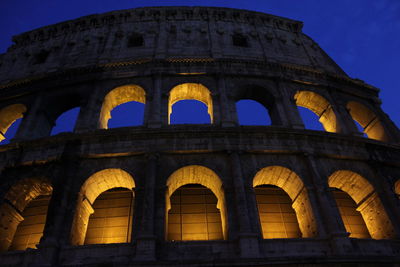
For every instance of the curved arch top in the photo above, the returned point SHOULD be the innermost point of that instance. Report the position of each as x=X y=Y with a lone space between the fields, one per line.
x=117 y=96
x=320 y=106
x=196 y=174
x=8 y=115
x=190 y=91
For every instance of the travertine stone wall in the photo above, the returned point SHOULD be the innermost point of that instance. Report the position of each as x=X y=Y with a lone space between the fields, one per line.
x=158 y=56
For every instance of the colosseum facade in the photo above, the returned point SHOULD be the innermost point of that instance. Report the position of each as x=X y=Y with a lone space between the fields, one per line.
x=217 y=194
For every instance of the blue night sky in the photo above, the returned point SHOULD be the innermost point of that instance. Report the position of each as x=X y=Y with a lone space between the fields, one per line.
x=362 y=36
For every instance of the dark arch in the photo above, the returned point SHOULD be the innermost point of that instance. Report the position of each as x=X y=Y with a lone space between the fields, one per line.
x=8 y=115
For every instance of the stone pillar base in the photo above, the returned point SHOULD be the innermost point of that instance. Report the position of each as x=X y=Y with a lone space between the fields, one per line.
x=249 y=245
x=146 y=248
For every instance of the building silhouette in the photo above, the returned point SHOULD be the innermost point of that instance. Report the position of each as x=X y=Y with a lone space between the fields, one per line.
x=220 y=193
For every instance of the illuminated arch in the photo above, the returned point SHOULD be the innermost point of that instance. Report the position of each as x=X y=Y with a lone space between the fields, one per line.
x=117 y=96
x=291 y=183
x=372 y=125
x=190 y=91
x=17 y=200
x=95 y=185
x=397 y=188
x=321 y=107
x=368 y=203
x=196 y=174
x=8 y=115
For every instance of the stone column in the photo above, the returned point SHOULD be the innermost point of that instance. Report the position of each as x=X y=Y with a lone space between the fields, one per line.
x=89 y=114
x=35 y=123
x=226 y=119
x=214 y=43
x=154 y=106
x=9 y=220
x=325 y=210
x=146 y=240
x=286 y=106
x=248 y=240
x=347 y=124
x=62 y=207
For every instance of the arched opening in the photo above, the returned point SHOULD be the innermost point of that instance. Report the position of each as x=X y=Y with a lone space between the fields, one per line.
x=23 y=214
x=105 y=208
x=251 y=112
x=367 y=203
x=277 y=217
x=257 y=105
x=133 y=97
x=10 y=116
x=321 y=107
x=351 y=217
x=66 y=121
x=190 y=91
x=194 y=214
x=189 y=112
x=370 y=123
x=272 y=203
x=195 y=205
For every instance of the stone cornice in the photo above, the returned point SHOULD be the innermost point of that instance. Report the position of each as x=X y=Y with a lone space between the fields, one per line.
x=277 y=69
x=155 y=14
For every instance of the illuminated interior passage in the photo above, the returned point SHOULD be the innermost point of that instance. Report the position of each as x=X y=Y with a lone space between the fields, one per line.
x=251 y=112
x=112 y=218
x=30 y=230
x=194 y=214
x=352 y=219
x=277 y=217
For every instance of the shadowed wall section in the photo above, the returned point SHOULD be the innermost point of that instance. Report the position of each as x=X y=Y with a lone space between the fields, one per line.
x=367 y=201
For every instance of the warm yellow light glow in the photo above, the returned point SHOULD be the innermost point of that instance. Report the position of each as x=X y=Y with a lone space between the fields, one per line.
x=277 y=217
x=321 y=107
x=96 y=184
x=112 y=217
x=367 y=201
x=195 y=174
x=118 y=96
x=352 y=219
x=188 y=91
x=194 y=215
x=30 y=230
x=24 y=204
x=372 y=125
x=8 y=116
x=291 y=183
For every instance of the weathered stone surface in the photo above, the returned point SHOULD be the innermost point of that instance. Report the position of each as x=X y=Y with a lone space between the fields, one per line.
x=158 y=56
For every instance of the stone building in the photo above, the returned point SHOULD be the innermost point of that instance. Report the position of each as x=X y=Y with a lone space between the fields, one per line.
x=202 y=194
